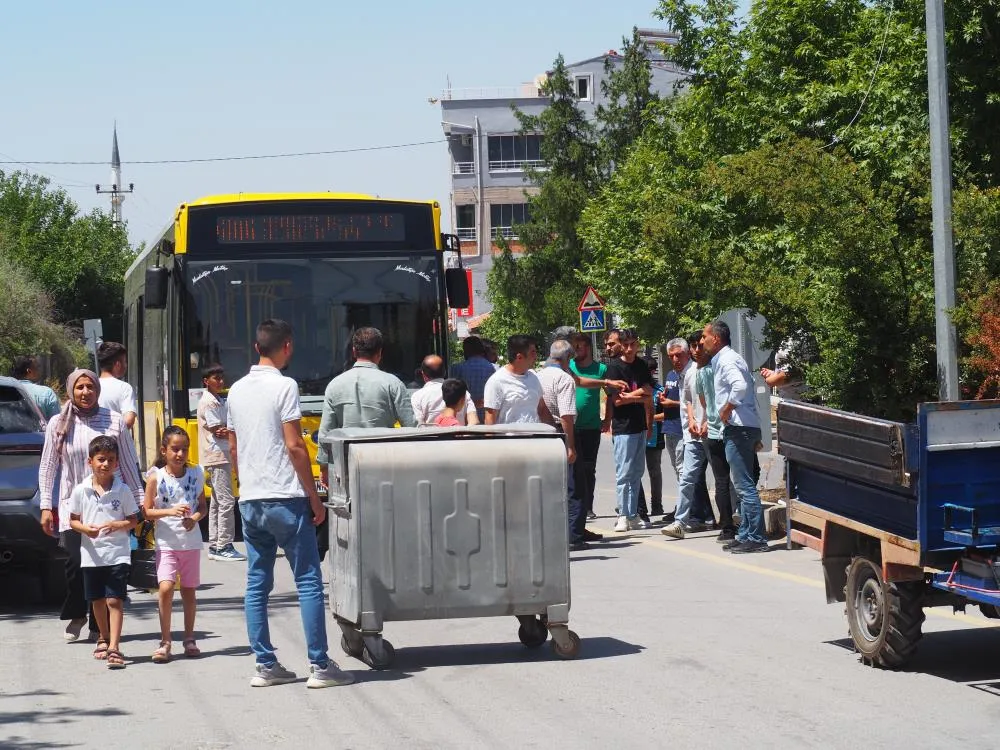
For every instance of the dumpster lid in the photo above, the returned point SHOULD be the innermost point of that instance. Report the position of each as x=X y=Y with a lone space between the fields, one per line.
x=387 y=434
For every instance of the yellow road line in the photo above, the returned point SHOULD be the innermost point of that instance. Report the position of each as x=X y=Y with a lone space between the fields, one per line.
x=679 y=548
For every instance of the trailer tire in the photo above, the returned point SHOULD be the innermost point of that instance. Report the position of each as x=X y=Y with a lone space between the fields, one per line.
x=990 y=610
x=884 y=619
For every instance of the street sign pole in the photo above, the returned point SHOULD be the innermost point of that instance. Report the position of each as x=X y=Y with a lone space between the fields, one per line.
x=944 y=251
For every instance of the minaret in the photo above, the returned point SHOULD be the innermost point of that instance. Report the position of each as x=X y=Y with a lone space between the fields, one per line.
x=118 y=190
x=116 y=180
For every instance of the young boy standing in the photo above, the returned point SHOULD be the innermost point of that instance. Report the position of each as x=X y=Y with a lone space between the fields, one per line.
x=103 y=511
x=453 y=393
x=213 y=450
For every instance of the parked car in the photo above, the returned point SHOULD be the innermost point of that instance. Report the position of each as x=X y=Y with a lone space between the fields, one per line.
x=23 y=544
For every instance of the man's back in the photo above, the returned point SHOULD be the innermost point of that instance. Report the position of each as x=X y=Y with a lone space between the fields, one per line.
x=558 y=391
x=258 y=405
x=364 y=396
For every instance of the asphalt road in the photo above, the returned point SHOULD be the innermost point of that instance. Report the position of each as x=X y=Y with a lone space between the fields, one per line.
x=683 y=645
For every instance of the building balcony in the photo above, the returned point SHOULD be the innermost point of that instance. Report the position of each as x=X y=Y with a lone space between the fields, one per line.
x=466 y=233
x=463 y=167
x=523 y=91
x=508 y=233
x=516 y=165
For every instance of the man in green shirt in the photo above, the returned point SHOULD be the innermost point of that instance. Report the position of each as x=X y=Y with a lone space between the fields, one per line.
x=712 y=428
x=589 y=424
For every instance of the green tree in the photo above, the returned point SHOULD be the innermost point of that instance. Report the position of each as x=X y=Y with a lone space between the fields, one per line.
x=78 y=259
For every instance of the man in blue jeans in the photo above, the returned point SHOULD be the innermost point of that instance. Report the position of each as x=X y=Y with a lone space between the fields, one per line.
x=631 y=423
x=737 y=403
x=279 y=505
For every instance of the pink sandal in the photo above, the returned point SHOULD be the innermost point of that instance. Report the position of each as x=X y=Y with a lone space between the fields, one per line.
x=162 y=654
x=191 y=648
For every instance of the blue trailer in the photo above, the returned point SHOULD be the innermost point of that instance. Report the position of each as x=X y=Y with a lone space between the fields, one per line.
x=905 y=516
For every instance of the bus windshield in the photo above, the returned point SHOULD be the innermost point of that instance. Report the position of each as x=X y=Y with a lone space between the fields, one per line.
x=325 y=300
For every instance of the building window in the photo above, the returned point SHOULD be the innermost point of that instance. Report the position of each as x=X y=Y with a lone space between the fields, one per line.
x=465 y=222
x=584 y=88
x=505 y=218
x=514 y=153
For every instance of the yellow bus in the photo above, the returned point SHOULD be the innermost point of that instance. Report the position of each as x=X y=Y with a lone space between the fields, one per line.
x=327 y=263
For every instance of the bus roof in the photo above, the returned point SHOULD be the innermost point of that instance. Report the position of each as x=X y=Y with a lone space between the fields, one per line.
x=211 y=200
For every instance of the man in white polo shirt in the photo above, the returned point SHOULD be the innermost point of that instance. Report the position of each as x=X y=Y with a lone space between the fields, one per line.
x=428 y=402
x=279 y=505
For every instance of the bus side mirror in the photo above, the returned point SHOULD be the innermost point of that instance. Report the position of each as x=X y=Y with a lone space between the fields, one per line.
x=457 y=284
x=155 y=296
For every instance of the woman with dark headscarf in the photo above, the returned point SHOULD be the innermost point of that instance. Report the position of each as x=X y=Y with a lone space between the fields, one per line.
x=64 y=465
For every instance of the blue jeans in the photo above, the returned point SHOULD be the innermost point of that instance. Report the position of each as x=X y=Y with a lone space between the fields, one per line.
x=692 y=475
x=630 y=464
x=268 y=524
x=574 y=506
x=740 y=453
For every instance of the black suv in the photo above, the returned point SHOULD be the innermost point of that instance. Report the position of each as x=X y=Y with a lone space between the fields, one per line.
x=23 y=544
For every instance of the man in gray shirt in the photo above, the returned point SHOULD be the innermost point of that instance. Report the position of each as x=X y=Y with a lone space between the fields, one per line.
x=364 y=396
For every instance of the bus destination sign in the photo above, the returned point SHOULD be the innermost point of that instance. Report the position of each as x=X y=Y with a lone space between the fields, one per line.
x=313 y=228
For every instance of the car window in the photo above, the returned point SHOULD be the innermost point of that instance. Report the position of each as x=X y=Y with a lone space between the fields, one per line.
x=16 y=414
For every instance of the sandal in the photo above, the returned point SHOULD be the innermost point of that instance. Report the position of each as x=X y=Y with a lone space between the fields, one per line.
x=115 y=659
x=191 y=648
x=101 y=652
x=162 y=654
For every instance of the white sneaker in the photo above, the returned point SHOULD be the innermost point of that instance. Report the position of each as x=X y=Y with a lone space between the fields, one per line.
x=637 y=523
x=676 y=530
x=272 y=675
x=73 y=630
x=621 y=524
x=329 y=676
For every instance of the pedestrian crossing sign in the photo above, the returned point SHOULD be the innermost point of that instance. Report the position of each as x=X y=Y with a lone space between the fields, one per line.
x=592 y=320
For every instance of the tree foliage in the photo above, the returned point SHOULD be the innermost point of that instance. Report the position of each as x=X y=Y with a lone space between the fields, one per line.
x=791 y=175
x=79 y=260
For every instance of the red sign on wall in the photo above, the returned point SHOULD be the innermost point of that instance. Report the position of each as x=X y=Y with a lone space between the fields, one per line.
x=467 y=312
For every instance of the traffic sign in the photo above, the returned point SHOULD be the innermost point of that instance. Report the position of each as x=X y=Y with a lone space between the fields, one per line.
x=592 y=321
x=591 y=301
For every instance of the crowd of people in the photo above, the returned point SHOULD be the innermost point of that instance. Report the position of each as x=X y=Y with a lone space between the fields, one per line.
x=703 y=414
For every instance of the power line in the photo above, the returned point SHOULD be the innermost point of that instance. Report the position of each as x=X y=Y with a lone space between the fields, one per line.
x=234 y=158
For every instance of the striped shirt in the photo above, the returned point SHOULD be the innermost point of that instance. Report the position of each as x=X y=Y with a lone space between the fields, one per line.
x=57 y=478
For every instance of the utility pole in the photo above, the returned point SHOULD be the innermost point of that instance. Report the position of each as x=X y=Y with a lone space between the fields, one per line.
x=944 y=250
x=117 y=192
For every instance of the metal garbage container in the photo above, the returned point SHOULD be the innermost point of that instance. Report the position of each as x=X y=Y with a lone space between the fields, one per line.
x=445 y=523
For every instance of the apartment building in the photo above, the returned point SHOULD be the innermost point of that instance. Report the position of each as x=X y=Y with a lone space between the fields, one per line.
x=489 y=156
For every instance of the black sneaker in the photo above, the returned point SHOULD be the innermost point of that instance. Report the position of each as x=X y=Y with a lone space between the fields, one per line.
x=591 y=536
x=726 y=535
x=747 y=548
x=731 y=544
x=591 y=516
x=578 y=546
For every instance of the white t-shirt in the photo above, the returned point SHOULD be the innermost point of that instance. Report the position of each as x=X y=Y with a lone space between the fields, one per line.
x=428 y=404
x=558 y=391
x=170 y=492
x=258 y=405
x=689 y=395
x=515 y=397
x=116 y=504
x=117 y=395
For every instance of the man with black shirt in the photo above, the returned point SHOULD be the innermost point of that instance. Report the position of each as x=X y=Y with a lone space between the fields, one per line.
x=631 y=419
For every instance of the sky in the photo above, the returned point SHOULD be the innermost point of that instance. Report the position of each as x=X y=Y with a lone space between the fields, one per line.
x=222 y=78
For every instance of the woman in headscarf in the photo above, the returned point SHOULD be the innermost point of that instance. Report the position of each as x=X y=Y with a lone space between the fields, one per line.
x=64 y=465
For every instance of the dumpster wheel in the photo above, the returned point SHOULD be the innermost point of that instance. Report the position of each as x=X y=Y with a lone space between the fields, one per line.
x=884 y=619
x=532 y=632
x=349 y=650
x=565 y=643
x=383 y=662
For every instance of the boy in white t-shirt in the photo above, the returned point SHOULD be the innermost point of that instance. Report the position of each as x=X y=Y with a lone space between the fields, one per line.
x=103 y=511
x=513 y=394
x=116 y=394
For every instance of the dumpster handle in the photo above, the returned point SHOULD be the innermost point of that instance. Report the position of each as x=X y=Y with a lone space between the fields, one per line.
x=342 y=510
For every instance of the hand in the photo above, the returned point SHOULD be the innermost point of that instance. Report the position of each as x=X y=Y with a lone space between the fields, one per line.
x=618 y=385
x=605 y=427
x=93 y=531
x=725 y=412
x=180 y=510
x=47 y=522
x=188 y=523
x=318 y=509
x=220 y=432
x=766 y=373
x=324 y=476
x=570 y=455
x=662 y=398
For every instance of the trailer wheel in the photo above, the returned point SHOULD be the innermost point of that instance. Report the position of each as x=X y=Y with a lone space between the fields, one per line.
x=884 y=618
x=990 y=610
